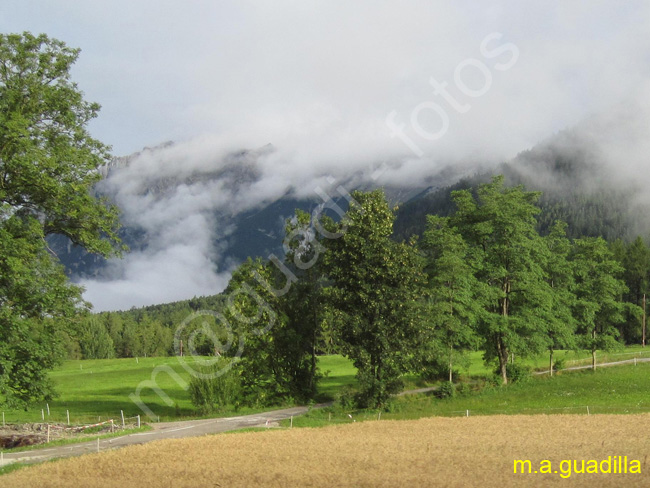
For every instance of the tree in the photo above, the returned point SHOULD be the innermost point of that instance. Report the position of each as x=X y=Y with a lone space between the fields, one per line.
x=303 y=304
x=598 y=290
x=48 y=166
x=94 y=340
x=253 y=312
x=560 y=321
x=636 y=264
x=508 y=253
x=375 y=285
x=453 y=293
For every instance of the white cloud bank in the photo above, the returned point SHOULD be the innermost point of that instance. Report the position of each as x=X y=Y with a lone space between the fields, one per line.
x=318 y=81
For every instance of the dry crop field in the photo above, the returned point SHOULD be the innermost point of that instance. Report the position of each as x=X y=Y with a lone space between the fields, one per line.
x=428 y=452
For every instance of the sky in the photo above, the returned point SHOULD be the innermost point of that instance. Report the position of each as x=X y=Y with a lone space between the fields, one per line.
x=336 y=87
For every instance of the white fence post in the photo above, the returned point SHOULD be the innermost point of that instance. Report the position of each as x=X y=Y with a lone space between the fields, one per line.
x=122 y=413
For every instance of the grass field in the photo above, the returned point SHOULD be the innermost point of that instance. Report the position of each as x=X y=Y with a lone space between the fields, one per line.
x=428 y=452
x=99 y=389
x=617 y=389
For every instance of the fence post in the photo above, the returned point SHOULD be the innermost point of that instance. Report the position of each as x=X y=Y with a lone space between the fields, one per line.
x=467 y=413
x=122 y=413
x=138 y=421
x=43 y=414
x=48 y=433
x=48 y=409
x=588 y=410
x=67 y=412
x=379 y=415
x=291 y=422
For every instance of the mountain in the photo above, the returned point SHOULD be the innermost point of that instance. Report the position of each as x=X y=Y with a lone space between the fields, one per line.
x=192 y=212
x=592 y=176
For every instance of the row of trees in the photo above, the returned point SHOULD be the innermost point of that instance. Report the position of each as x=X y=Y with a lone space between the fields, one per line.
x=483 y=278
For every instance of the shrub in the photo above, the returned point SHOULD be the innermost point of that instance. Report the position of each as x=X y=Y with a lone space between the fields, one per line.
x=222 y=387
x=347 y=399
x=463 y=389
x=446 y=389
x=517 y=373
x=559 y=364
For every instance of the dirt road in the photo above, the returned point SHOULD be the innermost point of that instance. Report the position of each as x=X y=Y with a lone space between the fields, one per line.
x=163 y=430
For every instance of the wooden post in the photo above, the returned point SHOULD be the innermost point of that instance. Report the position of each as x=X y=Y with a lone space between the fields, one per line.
x=48 y=409
x=588 y=410
x=467 y=413
x=48 y=433
x=43 y=414
x=122 y=413
x=68 y=414
x=291 y=425
x=644 y=320
x=138 y=421
x=379 y=415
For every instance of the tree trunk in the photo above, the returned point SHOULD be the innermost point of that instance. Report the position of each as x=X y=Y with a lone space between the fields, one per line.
x=593 y=350
x=502 y=350
x=503 y=360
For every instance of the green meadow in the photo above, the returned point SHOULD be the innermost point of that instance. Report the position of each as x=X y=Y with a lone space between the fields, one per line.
x=97 y=390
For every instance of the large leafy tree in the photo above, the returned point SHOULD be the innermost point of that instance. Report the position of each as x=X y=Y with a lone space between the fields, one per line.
x=560 y=320
x=304 y=303
x=636 y=261
x=48 y=166
x=454 y=295
x=598 y=289
x=375 y=284
x=500 y=227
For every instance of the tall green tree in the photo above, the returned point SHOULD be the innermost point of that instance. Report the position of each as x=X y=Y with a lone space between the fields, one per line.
x=598 y=289
x=560 y=320
x=636 y=274
x=94 y=340
x=500 y=227
x=48 y=166
x=375 y=285
x=303 y=303
x=454 y=298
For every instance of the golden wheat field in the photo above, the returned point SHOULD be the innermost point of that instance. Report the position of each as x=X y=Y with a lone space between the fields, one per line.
x=474 y=451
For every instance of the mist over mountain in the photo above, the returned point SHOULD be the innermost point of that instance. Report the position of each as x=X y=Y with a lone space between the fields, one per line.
x=594 y=176
x=193 y=211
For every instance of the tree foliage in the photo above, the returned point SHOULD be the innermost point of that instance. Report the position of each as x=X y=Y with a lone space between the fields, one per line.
x=48 y=166
x=454 y=295
x=508 y=253
x=375 y=285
